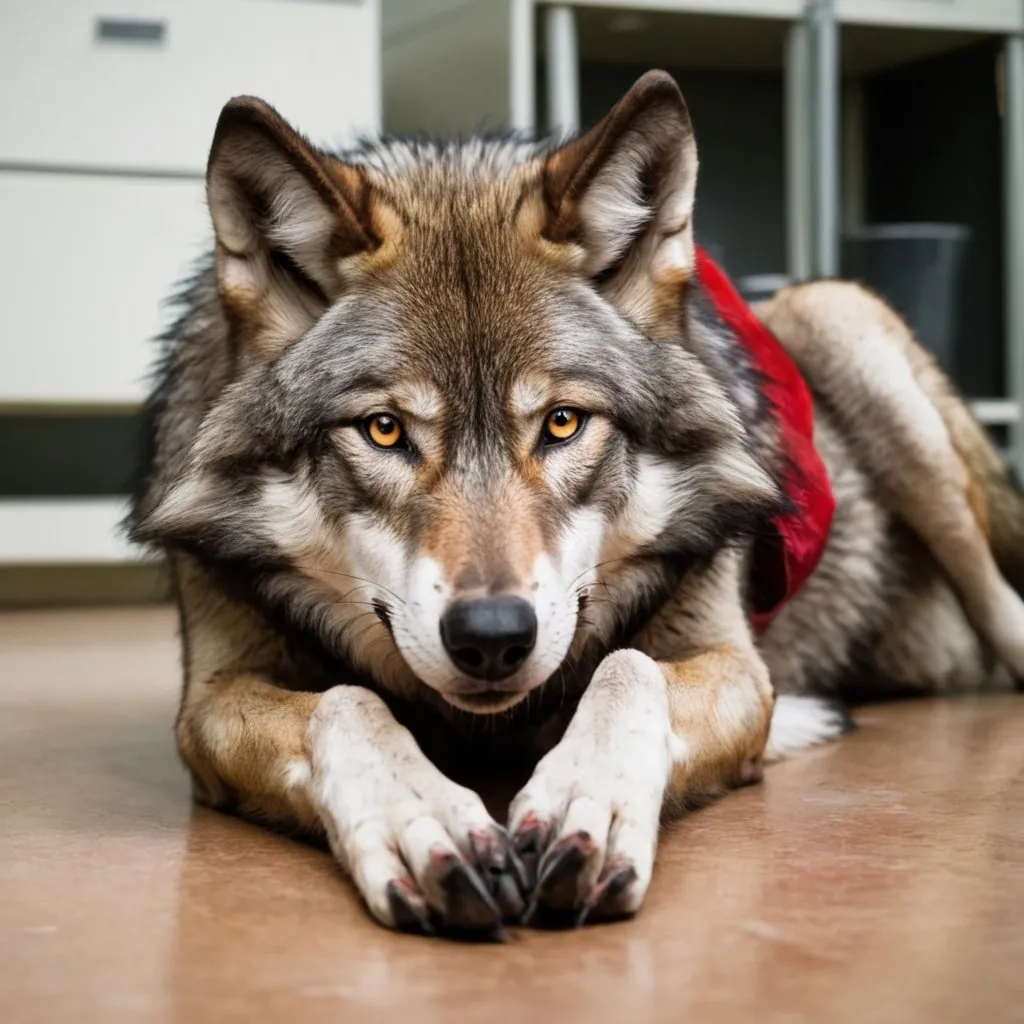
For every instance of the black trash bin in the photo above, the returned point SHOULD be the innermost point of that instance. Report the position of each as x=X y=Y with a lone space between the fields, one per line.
x=917 y=268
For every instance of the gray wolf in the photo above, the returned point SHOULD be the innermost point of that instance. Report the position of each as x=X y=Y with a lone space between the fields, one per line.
x=456 y=468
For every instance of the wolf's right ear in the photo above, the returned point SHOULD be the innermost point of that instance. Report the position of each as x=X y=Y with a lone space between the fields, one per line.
x=286 y=218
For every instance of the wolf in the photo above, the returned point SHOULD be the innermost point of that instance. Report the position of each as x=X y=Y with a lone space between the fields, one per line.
x=458 y=469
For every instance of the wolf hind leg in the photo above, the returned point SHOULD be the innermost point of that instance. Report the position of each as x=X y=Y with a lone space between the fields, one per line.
x=928 y=644
x=899 y=415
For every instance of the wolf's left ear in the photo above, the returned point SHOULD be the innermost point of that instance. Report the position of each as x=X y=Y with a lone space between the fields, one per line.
x=624 y=190
x=286 y=218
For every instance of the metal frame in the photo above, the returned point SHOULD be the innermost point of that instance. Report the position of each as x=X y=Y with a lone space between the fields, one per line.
x=1013 y=184
x=824 y=35
x=812 y=120
x=562 y=70
x=522 y=61
x=797 y=126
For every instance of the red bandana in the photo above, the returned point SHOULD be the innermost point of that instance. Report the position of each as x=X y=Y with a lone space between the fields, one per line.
x=781 y=563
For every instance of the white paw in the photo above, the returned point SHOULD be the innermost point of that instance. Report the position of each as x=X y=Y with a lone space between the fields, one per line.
x=423 y=852
x=586 y=824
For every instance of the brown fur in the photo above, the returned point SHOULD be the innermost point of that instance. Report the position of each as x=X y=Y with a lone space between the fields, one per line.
x=468 y=291
x=720 y=695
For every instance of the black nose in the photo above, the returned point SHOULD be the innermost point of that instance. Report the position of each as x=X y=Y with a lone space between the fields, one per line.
x=491 y=637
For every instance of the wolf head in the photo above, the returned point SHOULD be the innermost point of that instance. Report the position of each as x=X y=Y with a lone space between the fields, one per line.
x=473 y=390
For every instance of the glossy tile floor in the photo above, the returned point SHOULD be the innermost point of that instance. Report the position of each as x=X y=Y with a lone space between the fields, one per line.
x=881 y=879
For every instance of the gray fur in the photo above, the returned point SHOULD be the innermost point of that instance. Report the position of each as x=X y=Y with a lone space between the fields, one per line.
x=467 y=311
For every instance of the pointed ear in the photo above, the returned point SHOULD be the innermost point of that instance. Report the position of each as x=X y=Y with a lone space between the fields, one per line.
x=624 y=190
x=286 y=217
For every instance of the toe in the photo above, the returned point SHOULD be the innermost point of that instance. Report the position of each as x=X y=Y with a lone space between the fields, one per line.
x=558 y=884
x=570 y=868
x=562 y=883
x=454 y=890
x=468 y=906
x=613 y=896
x=408 y=909
x=620 y=888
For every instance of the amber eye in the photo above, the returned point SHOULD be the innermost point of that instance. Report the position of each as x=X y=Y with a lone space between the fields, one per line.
x=384 y=431
x=561 y=425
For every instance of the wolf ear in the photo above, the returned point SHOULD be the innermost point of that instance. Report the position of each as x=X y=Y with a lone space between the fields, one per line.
x=285 y=217
x=624 y=190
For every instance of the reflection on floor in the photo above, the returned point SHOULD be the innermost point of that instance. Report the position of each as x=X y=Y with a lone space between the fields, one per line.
x=881 y=879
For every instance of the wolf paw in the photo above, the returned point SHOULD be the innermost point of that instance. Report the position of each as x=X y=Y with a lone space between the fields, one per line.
x=439 y=889
x=582 y=876
x=586 y=824
x=423 y=851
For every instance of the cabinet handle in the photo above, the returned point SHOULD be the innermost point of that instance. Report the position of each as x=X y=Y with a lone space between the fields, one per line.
x=128 y=30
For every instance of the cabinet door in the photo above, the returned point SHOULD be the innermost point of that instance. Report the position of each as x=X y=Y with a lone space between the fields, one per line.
x=86 y=263
x=138 y=84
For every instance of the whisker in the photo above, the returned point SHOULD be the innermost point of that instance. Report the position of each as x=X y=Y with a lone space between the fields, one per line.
x=599 y=565
x=348 y=575
x=362 y=615
x=344 y=599
x=366 y=629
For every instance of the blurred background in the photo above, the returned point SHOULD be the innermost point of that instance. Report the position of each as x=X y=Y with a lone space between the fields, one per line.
x=880 y=139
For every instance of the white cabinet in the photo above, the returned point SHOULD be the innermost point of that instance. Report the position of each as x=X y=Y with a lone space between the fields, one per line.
x=966 y=15
x=64 y=531
x=138 y=84
x=92 y=259
x=107 y=110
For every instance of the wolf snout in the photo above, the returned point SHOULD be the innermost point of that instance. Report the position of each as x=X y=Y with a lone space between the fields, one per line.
x=489 y=638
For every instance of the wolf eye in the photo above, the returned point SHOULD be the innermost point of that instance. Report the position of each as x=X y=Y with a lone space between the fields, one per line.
x=384 y=431
x=561 y=425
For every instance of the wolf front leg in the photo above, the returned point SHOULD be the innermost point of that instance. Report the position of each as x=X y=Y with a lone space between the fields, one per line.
x=423 y=851
x=649 y=738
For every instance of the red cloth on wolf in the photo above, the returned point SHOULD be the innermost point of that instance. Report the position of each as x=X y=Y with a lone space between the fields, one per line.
x=782 y=563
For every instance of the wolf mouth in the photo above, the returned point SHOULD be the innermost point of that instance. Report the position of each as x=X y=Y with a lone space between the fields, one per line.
x=487 y=702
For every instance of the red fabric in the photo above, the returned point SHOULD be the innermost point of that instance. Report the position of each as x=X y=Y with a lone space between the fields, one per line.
x=781 y=564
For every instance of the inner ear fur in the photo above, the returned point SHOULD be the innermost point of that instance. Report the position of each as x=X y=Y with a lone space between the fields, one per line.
x=624 y=190
x=286 y=217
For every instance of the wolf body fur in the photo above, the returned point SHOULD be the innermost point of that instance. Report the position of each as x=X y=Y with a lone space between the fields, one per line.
x=467 y=290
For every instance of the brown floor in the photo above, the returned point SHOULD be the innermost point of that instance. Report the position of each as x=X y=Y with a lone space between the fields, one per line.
x=881 y=879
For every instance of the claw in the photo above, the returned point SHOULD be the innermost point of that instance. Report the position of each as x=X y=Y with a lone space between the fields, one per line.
x=613 y=882
x=561 y=863
x=509 y=898
x=518 y=870
x=557 y=885
x=407 y=909
x=529 y=844
x=500 y=871
x=560 y=869
x=468 y=904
